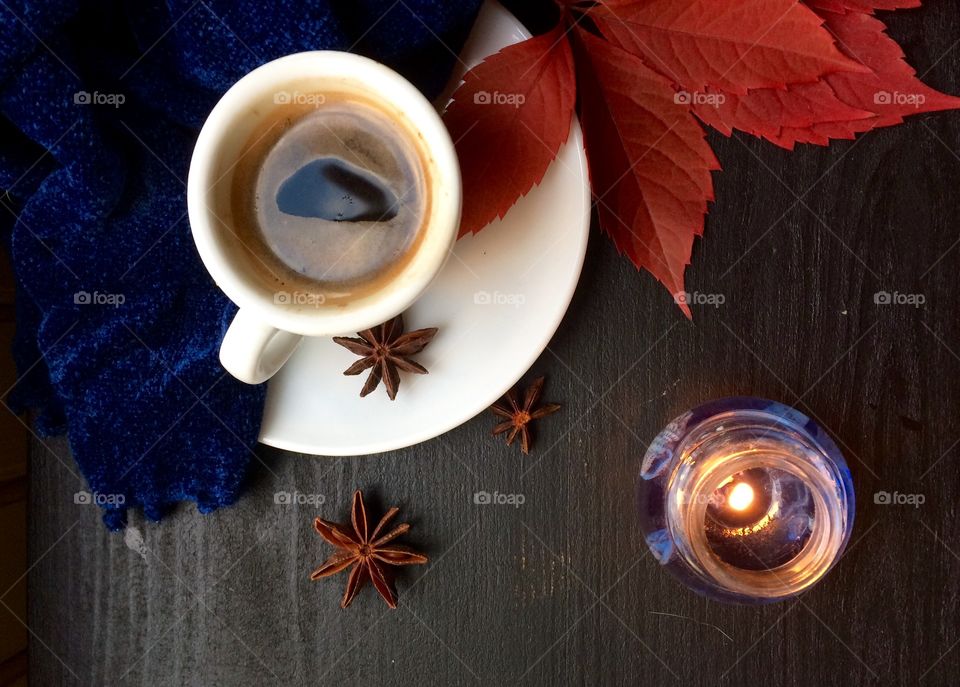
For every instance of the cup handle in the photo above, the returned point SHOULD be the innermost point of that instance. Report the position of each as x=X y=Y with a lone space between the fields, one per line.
x=253 y=351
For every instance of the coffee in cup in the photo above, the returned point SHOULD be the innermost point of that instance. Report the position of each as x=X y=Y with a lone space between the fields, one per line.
x=324 y=197
x=330 y=195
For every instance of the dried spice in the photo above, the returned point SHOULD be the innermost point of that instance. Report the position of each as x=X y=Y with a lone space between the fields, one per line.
x=385 y=350
x=517 y=418
x=370 y=554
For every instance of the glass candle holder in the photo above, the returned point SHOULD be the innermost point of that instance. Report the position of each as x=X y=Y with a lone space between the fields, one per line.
x=745 y=500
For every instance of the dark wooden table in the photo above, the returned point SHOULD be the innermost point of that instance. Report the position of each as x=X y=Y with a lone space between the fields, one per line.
x=561 y=590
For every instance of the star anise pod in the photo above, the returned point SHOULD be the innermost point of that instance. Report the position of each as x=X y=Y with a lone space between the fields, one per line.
x=386 y=350
x=518 y=418
x=369 y=553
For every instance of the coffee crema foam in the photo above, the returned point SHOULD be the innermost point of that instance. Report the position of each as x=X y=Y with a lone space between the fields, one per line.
x=330 y=199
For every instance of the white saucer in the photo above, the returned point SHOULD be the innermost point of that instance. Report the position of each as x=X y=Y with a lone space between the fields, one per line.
x=497 y=302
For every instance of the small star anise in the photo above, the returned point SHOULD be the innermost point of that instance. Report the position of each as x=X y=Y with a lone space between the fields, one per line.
x=517 y=417
x=367 y=552
x=386 y=349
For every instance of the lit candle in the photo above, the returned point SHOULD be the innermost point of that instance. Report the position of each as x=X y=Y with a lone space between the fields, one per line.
x=741 y=496
x=745 y=500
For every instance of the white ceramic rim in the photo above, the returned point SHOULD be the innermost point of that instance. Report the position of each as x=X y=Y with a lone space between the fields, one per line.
x=386 y=86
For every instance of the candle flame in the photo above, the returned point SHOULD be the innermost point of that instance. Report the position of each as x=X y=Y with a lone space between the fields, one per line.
x=741 y=496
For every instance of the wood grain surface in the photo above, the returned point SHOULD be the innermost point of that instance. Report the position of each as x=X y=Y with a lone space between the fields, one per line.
x=561 y=590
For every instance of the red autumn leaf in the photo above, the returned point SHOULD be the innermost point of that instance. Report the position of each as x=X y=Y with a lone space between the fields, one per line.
x=649 y=163
x=784 y=70
x=766 y=112
x=839 y=106
x=865 y=39
x=864 y=5
x=515 y=107
x=734 y=46
x=891 y=91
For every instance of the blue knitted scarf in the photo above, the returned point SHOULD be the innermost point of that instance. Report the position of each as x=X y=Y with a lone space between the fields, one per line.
x=118 y=323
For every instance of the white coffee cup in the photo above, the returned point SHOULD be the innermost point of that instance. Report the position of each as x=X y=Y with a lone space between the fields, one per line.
x=265 y=332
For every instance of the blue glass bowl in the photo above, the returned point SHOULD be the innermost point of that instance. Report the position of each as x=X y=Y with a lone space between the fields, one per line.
x=745 y=500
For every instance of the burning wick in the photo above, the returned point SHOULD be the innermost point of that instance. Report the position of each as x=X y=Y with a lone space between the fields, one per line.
x=740 y=497
x=742 y=505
